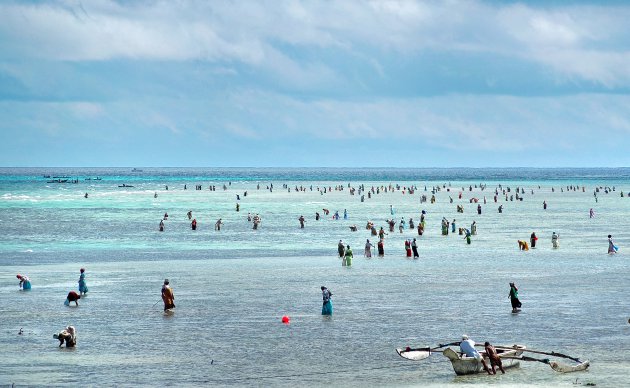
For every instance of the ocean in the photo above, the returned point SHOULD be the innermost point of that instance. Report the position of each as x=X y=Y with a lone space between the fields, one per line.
x=232 y=287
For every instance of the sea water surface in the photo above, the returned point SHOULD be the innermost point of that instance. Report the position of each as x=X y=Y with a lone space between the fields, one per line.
x=233 y=286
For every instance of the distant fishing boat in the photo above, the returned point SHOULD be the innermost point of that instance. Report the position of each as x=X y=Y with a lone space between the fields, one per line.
x=136 y=170
x=124 y=185
x=57 y=181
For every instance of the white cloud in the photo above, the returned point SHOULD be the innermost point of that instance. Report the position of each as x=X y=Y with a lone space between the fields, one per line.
x=586 y=42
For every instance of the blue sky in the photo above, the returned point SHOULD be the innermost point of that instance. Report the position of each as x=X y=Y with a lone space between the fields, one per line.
x=314 y=83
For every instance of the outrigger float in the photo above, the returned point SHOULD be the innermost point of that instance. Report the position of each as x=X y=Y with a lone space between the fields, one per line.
x=511 y=356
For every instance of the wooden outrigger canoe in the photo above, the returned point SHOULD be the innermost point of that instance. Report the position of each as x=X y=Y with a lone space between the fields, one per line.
x=510 y=357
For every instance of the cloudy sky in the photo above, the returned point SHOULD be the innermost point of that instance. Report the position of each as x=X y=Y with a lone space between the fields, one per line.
x=314 y=83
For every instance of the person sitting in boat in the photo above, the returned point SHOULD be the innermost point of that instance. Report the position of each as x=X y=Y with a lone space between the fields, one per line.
x=495 y=360
x=467 y=346
x=67 y=335
x=25 y=282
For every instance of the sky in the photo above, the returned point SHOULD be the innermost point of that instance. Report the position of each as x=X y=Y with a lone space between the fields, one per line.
x=314 y=83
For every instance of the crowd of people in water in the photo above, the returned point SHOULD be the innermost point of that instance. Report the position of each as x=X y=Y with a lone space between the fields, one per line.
x=68 y=335
x=500 y=193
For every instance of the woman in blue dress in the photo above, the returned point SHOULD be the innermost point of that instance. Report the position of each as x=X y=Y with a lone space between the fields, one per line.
x=82 y=285
x=327 y=308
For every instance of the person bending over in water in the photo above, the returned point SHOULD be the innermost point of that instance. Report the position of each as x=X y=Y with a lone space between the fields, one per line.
x=25 y=282
x=72 y=297
x=67 y=335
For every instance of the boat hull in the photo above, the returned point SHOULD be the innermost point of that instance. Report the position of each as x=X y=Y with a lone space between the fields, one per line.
x=464 y=365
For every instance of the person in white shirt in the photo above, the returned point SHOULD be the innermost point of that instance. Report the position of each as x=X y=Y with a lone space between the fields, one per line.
x=467 y=346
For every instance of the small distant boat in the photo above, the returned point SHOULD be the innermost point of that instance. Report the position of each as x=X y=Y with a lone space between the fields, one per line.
x=46 y=176
x=57 y=181
x=61 y=177
x=124 y=185
x=136 y=170
x=464 y=365
x=95 y=179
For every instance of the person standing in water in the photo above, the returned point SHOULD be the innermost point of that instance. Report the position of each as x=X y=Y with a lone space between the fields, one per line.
x=532 y=240
x=513 y=295
x=327 y=308
x=612 y=248
x=368 y=249
x=193 y=224
x=168 y=297
x=218 y=224
x=302 y=220
x=555 y=240
x=347 y=260
x=414 y=248
x=161 y=227
x=591 y=213
x=341 y=249
x=25 y=282
x=381 y=248
x=408 y=248
x=82 y=285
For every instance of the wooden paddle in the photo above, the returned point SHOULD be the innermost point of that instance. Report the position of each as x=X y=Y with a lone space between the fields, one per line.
x=417 y=354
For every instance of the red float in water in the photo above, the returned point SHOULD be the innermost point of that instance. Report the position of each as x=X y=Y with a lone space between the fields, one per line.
x=286 y=319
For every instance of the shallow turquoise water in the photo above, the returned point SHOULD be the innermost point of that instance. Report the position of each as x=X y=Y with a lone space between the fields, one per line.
x=232 y=287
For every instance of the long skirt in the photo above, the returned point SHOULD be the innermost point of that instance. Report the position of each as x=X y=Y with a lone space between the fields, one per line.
x=368 y=252
x=408 y=252
x=82 y=286
x=327 y=308
x=516 y=304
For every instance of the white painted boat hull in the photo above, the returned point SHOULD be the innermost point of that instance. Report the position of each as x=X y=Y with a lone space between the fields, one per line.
x=463 y=365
